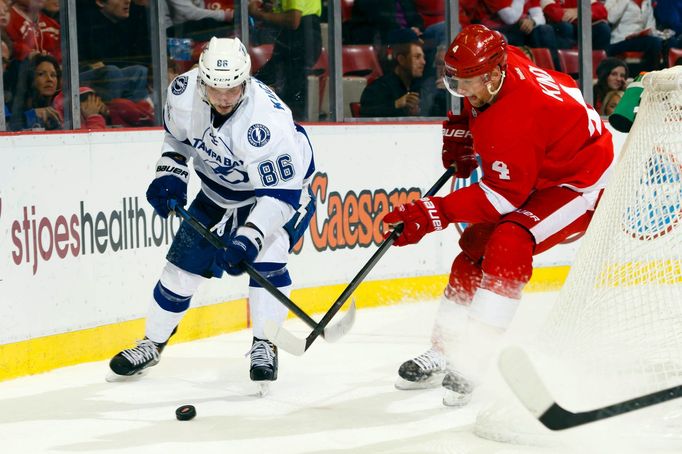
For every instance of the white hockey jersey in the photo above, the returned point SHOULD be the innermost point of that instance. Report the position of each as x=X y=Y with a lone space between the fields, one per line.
x=259 y=151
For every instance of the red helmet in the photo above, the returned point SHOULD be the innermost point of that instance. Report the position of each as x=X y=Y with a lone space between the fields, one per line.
x=476 y=50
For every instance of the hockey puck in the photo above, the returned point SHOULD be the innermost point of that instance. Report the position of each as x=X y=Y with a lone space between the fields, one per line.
x=185 y=412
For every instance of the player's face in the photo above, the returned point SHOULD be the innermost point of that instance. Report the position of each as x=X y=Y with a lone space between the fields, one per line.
x=224 y=100
x=46 y=79
x=616 y=79
x=475 y=89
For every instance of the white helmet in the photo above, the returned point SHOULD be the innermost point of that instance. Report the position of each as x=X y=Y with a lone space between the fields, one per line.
x=224 y=63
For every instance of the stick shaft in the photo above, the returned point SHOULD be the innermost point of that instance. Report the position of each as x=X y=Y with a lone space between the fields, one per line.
x=357 y=280
x=558 y=418
x=250 y=270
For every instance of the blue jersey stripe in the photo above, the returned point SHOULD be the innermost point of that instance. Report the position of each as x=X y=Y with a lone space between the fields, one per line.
x=226 y=193
x=290 y=196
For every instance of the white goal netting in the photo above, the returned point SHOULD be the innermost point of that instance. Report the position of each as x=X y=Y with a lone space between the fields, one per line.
x=616 y=329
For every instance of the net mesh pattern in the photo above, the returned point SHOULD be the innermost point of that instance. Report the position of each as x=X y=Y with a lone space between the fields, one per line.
x=616 y=329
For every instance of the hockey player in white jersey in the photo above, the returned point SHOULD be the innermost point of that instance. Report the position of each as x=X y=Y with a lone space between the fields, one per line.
x=255 y=165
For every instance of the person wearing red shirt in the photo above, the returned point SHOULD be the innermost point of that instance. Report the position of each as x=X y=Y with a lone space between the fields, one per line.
x=543 y=173
x=520 y=21
x=32 y=32
x=563 y=16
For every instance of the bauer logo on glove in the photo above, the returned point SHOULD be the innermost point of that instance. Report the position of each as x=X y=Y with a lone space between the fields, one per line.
x=182 y=172
x=418 y=218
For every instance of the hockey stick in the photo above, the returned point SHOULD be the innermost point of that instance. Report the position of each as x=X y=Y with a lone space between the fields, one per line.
x=342 y=327
x=294 y=345
x=523 y=379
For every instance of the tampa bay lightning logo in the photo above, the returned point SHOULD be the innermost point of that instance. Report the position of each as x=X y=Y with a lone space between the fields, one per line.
x=179 y=85
x=258 y=135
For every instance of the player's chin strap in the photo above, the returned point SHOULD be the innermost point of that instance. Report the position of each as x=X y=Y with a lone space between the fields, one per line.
x=494 y=93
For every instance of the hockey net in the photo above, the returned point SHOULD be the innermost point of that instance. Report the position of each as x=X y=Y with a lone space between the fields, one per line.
x=615 y=331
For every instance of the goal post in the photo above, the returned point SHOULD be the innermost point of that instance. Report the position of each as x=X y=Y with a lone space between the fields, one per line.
x=615 y=331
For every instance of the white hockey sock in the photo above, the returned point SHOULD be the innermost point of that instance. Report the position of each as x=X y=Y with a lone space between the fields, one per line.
x=160 y=322
x=170 y=302
x=450 y=321
x=489 y=316
x=265 y=307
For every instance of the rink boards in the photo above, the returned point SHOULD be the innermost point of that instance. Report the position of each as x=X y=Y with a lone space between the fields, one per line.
x=81 y=249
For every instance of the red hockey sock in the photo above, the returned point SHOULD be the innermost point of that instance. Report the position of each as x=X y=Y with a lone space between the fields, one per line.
x=465 y=277
x=508 y=260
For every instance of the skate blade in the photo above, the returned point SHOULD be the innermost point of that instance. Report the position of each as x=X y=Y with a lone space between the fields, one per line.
x=263 y=388
x=454 y=399
x=113 y=377
x=432 y=382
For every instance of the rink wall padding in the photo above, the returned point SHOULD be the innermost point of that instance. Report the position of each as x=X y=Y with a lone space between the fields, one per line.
x=80 y=248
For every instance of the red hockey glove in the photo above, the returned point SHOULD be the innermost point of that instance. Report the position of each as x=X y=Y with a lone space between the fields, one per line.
x=458 y=145
x=418 y=218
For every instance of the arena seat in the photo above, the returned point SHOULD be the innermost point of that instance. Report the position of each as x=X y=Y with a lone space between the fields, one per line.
x=361 y=61
x=570 y=63
x=674 y=57
x=543 y=58
x=259 y=56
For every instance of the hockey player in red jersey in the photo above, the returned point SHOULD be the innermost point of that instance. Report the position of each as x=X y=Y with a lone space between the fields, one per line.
x=545 y=156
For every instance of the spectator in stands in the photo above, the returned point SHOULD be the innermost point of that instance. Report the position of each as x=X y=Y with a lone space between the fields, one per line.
x=522 y=22
x=6 y=51
x=297 y=48
x=431 y=11
x=51 y=9
x=10 y=67
x=127 y=114
x=372 y=20
x=668 y=15
x=4 y=15
x=633 y=29
x=93 y=110
x=114 y=49
x=434 y=94
x=563 y=16
x=435 y=33
x=37 y=87
x=96 y=114
x=32 y=32
x=396 y=93
x=611 y=100
x=612 y=74
x=187 y=19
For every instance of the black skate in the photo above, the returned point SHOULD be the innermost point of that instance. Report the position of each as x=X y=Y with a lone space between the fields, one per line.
x=424 y=371
x=263 y=363
x=133 y=361
x=458 y=390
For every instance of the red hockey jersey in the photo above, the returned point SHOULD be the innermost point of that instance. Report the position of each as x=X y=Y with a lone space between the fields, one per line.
x=29 y=36
x=539 y=133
